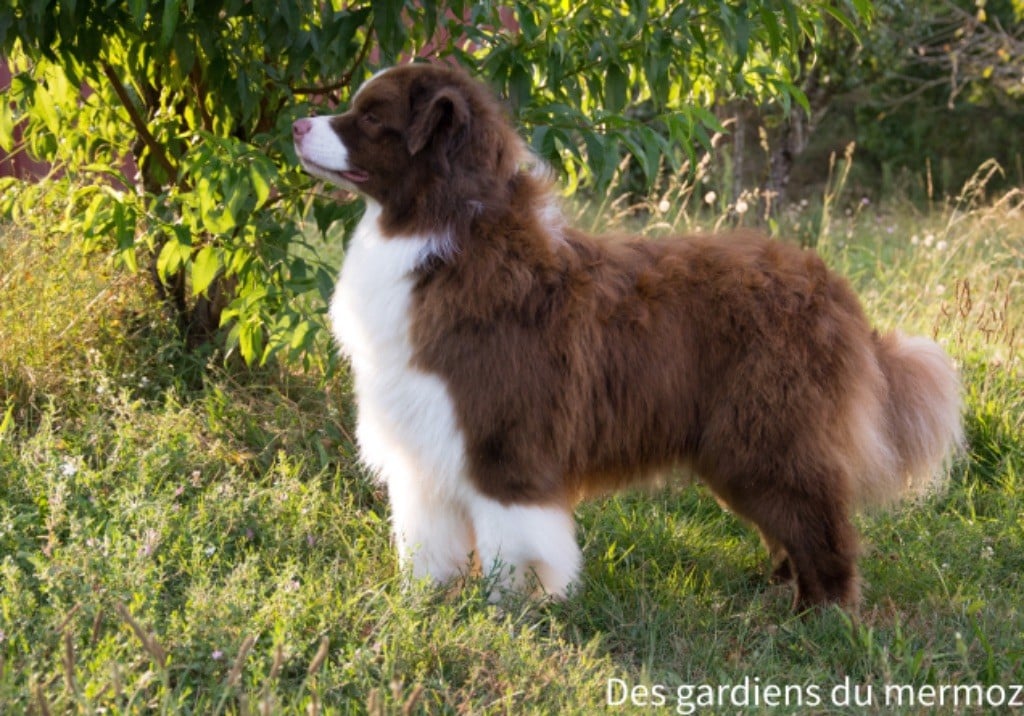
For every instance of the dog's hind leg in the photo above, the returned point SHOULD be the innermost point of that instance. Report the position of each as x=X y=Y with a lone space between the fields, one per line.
x=805 y=525
x=820 y=545
x=517 y=542
x=782 y=570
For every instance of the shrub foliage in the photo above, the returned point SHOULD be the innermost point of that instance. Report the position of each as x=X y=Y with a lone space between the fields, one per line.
x=167 y=122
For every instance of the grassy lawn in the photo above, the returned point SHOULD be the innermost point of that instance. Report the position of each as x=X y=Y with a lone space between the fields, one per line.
x=176 y=537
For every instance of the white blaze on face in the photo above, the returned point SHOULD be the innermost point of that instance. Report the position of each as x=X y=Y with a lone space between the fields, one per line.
x=366 y=84
x=321 y=150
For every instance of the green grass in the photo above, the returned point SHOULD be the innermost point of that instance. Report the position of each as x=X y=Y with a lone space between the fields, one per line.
x=177 y=537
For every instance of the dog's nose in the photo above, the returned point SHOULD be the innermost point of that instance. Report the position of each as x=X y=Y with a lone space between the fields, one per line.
x=300 y=128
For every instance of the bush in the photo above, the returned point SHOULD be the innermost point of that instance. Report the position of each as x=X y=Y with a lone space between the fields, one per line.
x=167 y=123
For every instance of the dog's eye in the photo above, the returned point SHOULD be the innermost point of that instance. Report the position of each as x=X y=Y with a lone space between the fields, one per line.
x=371 y=120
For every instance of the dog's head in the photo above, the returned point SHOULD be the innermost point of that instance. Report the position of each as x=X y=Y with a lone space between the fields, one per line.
x=416 y=138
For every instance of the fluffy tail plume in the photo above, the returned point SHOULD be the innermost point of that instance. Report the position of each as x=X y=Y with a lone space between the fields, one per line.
x=923 y=406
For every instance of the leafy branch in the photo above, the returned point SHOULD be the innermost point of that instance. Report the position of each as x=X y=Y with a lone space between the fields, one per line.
x=346 y=79
x=139 y=123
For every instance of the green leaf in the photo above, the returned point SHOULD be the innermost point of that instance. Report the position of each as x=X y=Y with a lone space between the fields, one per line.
x=204 y=269
x=866 y=9
x=174 y=253
x=6 y=126
x=520 y=87
x=708 y=119
x=216 y=217
x=325 y=213
x=742 y=40
x=45 y=109
x=540 y=141
x=771 y=25
x=841 y=18
x=527 y=21
x=799 y=95
x=185 y=52
x=262 y=173
x=645 y=152
x=124 y=231
x=325 y=284
x=300 y=334
x=792 y=23
x=137 y=9
x=8 y=420
x=238 y=200
x=168 y=22
x=654 y=150
x=595 y=155
x=250 y=340
x=389 y=26
x=6 y=22
x=615 y=88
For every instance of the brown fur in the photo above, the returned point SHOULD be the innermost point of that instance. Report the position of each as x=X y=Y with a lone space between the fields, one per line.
x=579 y=366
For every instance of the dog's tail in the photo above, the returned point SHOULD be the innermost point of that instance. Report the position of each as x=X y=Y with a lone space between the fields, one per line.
x=921 y=415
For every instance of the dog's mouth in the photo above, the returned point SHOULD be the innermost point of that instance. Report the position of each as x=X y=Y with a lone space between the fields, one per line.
x=352 y=176
x=356 y=176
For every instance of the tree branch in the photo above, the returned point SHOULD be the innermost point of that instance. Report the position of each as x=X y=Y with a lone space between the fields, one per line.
x=347 y=77
x=155 y=148
x=197 y=84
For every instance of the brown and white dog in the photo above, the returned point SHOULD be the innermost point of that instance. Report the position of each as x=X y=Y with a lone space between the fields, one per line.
x=507 y=365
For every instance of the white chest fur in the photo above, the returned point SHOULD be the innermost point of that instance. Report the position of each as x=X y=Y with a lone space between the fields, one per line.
x=409 y=434
x=407 y=429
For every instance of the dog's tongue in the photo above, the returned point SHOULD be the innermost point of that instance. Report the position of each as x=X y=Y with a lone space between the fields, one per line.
x=355 y=176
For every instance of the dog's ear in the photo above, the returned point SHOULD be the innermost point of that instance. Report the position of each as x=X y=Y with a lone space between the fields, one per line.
x=443 y=117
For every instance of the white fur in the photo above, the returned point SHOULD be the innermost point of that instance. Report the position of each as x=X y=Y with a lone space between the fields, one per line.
x=366 y=84
x=322 y=153
x=549 y=212
x=517 y=541
x=408 y=433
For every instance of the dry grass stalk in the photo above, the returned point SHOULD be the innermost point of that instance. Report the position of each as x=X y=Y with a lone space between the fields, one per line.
x=414 y=698
x=235 y=675
x=68 y=617
x=319 y=657
x=149 y=642
x=267 y=698
x=69 y=664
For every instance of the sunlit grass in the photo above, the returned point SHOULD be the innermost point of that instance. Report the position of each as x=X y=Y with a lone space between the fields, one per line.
x=177 y=537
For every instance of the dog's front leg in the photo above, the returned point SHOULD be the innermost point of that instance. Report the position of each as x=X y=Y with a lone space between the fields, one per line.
x=519 y=542
x=434 y=538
